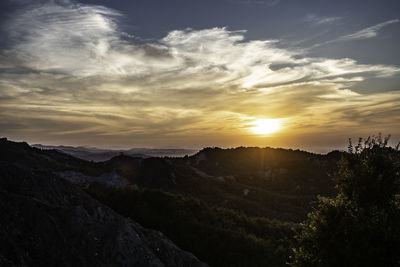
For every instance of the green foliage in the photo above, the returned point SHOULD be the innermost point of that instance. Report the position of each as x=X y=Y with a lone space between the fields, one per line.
x=369 y=174
x=218 y=236
x=360 y=226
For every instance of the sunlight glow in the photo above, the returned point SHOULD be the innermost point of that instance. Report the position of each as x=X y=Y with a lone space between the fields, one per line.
x=266 y=126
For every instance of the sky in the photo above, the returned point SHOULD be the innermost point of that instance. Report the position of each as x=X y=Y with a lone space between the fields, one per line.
x=199 y=73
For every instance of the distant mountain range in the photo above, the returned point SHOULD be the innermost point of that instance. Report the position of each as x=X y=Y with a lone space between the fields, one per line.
x=229 y=207
x=99 y=154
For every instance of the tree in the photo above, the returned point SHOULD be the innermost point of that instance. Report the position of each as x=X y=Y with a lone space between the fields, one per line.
x=361 y=225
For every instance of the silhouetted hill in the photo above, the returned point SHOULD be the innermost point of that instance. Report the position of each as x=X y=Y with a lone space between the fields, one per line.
x=230 y=207
x=47 y=221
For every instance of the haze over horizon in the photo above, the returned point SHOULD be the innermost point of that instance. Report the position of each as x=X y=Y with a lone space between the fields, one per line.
x=226 y=73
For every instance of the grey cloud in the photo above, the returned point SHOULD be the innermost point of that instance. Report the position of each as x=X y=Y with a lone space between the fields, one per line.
x=368 y=32
x=383 y=112
x=320 y=20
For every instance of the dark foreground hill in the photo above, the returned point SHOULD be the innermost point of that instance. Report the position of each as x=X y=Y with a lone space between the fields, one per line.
x=229 y=207
x=47 y=221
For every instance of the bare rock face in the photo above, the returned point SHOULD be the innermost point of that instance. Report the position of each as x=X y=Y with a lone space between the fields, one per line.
x=47 y=221
x=111 y=179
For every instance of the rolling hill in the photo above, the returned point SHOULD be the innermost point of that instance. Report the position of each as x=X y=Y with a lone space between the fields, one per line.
x=229 y=207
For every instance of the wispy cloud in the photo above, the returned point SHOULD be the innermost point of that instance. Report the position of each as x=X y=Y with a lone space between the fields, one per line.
x=70 y=70
x=369 y=32
x=320 y=20
x=366 y=33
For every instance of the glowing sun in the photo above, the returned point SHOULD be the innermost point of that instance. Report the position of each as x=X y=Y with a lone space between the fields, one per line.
x=266 y=126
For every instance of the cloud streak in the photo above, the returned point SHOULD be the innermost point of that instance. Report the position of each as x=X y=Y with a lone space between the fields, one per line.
x=369 y=32
x=71 y=74
x=366 y=33
x=320 y=20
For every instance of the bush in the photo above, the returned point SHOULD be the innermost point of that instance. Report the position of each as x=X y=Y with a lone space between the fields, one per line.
x=360 y=226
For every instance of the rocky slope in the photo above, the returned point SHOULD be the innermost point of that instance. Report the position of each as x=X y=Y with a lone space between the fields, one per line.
x=47 y=221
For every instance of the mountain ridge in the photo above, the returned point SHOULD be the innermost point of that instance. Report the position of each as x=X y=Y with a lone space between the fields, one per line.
x=218 y=204
x=101 y=154
x=47 y=221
